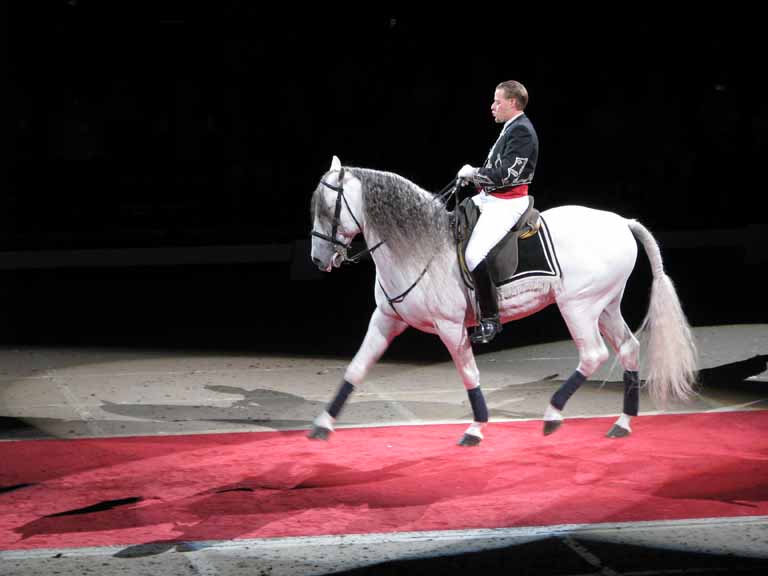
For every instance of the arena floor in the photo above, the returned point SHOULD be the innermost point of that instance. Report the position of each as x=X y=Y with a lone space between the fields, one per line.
x=90 y=393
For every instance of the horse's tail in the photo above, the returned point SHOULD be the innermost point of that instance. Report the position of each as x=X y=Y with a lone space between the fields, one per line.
x=672 y=356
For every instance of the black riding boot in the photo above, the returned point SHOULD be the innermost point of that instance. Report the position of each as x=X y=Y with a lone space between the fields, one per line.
x=489 y=324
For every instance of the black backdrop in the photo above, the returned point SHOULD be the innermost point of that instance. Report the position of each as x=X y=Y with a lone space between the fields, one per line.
x=171 y=126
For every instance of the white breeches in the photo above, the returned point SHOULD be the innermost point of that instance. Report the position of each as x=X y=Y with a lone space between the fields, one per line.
x=497 y=217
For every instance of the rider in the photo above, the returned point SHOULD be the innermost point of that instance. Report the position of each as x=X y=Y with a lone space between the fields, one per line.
x=502 y=186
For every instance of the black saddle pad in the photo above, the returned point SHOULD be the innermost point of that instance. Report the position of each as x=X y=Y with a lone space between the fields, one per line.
x=535 y=257
x=512 y=259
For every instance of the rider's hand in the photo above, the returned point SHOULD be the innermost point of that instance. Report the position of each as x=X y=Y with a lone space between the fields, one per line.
x=466 y=172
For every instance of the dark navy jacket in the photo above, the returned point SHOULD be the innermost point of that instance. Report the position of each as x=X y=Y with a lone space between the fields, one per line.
x=512 y=159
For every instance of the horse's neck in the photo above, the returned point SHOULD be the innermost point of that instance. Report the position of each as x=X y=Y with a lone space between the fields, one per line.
x=437 y=270
x=409 y=223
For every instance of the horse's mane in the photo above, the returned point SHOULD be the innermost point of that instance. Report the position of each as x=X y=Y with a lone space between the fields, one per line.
x=407 y=217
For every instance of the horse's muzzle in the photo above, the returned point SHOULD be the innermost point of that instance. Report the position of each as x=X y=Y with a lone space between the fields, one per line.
x=321 y=266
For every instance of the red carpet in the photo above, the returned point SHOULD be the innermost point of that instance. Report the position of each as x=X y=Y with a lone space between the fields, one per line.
x=122 y=491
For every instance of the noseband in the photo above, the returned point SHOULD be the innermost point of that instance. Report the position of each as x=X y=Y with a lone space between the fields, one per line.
x=339 y=247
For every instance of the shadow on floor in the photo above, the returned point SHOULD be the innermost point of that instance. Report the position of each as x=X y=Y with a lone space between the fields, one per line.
x=734 y=376
x=566 y=555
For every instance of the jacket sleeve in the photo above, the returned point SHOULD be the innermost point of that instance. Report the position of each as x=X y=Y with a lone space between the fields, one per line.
x=509 y=161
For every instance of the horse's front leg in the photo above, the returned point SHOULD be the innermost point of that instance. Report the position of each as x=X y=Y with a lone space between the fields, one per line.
x=454 y=336
x=382 y=329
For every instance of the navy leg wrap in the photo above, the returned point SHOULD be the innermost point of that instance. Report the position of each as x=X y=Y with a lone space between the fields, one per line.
x=631 y=393
x=334 y=408
x=477 y=400
x=565 y=391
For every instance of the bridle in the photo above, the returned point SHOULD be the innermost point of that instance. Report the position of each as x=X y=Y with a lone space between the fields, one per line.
x=339 y=247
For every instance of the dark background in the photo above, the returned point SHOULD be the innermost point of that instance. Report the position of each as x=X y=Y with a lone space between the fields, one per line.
x=162 y=125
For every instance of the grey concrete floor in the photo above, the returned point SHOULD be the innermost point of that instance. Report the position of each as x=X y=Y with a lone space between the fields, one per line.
x=74 y=393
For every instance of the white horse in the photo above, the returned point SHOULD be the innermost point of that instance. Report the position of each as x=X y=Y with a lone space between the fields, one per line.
x=419 y=284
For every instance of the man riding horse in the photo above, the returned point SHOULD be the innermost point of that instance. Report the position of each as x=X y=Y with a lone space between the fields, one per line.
x=502 y=185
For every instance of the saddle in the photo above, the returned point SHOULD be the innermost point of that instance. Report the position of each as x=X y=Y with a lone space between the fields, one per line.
x=503 y=258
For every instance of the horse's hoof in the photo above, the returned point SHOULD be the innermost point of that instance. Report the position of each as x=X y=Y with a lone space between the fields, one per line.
x=617 y=431
x=319 y=433
x=469 y=440
x=551 y=426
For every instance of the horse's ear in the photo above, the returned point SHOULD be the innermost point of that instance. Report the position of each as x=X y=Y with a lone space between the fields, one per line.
x=335 y=164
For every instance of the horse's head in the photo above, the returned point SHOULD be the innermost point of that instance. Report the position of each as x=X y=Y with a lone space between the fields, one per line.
x=334 y=224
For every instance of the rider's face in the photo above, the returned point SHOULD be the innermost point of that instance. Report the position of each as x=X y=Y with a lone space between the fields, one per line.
x=503 y=108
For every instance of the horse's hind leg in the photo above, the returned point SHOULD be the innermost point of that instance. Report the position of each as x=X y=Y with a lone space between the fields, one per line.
x=454 y=336
x=583 y=326
x=382 y=329
x=618 y=334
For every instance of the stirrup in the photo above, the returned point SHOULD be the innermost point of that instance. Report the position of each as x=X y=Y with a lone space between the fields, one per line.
x=486 y=330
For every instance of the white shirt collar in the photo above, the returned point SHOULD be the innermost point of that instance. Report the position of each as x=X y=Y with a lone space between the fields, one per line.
x=508 y=122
